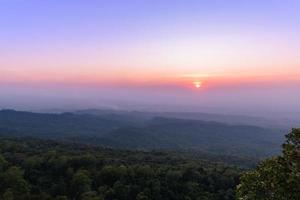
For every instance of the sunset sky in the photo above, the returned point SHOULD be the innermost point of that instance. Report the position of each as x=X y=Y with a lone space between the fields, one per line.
x=174 y=44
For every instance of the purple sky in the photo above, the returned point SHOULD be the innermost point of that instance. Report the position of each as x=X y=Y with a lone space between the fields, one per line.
x=245 y=53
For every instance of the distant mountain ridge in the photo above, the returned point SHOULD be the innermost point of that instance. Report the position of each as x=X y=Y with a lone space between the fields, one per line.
x=283 y=124
x=136 y=131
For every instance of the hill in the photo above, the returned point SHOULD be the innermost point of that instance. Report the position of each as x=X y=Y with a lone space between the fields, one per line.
x=143 y=133
x=42 y=169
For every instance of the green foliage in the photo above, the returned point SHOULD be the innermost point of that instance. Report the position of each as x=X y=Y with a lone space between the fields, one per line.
x=46 y=170
x=13 y=179
x=61 y=198
x=277 y=178
x=8 y=195
x=142 y=196
x=3 y=163
x=81 y=183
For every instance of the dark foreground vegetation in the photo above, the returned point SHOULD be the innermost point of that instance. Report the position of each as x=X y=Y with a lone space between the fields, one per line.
x=277 y=178
x=41 y=169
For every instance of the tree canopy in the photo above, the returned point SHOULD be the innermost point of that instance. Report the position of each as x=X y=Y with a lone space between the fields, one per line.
x=277 y=178
x=32 y=169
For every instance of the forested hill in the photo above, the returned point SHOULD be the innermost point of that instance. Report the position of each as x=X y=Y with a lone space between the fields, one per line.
x=143 y=133
x=32 y=169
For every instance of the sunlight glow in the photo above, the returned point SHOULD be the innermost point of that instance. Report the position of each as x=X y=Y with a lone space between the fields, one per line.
x=197 y=84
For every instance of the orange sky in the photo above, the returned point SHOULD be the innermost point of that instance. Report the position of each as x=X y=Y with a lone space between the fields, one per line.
x=141 y=44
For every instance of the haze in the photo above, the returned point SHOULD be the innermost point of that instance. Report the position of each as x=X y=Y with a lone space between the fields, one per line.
x=149 y=54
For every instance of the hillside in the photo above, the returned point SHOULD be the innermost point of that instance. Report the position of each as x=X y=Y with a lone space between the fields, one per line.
x=129 y=132
x=213 y=137
x=273 y=122
x=38 y=169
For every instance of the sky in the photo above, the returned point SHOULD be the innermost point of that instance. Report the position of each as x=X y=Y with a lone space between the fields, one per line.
x=188 y=52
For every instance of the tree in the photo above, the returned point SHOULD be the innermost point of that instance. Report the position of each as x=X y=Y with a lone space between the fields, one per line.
x=61 y=198
x=277 y=178
x=8 y=195
x=13 y=179
x=81 y=183
x=3 y=163
x=35 y=169
x=91 y=196
x=142 y=196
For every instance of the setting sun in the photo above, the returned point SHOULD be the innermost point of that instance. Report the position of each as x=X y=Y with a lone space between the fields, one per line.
x=153 y=99
x=197 y=84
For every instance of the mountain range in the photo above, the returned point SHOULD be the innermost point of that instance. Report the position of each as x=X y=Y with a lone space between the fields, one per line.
x=146 y=131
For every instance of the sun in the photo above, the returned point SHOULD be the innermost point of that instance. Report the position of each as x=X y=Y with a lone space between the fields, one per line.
x=197 y=84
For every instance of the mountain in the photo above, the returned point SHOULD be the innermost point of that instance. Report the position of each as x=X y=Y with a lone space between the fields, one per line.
x=271 y=122
x=129 y=131
x=213 y=137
